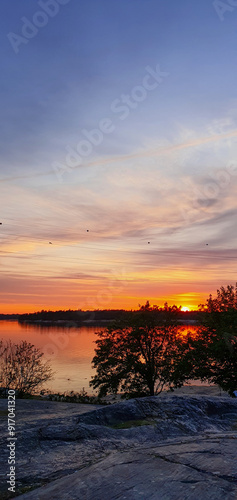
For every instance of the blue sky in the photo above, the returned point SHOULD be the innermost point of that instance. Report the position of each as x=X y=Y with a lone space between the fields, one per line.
x=165 y=174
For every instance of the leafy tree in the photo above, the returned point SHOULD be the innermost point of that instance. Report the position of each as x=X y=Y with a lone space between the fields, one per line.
x=225 y=301
x=138 y=355
x=212 y=355
x=22 y=367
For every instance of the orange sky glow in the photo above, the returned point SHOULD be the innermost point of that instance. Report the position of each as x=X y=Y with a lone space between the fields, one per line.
x=96 y=270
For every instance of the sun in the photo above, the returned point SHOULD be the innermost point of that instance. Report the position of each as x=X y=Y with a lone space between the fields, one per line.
x=185 y=309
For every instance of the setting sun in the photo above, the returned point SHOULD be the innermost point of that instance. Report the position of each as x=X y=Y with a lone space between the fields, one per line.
x=185 y=309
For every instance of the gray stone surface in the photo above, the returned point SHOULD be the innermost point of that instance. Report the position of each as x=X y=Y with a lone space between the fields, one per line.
x=172 y=471
x=169 y=447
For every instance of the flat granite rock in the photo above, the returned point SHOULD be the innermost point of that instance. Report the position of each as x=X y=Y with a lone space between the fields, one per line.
x=195 y=470
x=163 y=447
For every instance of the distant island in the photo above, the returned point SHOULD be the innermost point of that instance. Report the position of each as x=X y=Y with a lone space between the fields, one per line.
x=78 y=317
x=9 y=316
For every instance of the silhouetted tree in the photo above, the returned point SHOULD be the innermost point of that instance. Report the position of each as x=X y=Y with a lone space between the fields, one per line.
x=137 y=355
x=22 y=367
x=212 y=355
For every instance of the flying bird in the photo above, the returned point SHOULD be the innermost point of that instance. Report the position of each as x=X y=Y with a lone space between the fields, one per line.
x=50 y=243
x=87 y=230
x=149 y=242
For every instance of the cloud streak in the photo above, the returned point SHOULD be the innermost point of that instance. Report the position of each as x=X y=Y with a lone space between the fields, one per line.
x=142 y=154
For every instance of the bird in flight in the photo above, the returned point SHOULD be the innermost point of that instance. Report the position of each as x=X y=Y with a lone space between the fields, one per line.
x=50 y=243
x=149 y=242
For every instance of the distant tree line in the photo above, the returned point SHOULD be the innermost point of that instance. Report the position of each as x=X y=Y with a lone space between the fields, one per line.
x=76 y=316
x=9 y=316
x=79 y=316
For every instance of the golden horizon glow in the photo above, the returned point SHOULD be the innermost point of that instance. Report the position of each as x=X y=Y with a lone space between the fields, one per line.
x=132 y=303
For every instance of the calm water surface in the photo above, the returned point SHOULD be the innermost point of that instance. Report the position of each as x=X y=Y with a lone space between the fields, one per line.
x=69 y=351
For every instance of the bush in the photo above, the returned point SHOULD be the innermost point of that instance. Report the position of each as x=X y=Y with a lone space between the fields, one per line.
x=22 y=367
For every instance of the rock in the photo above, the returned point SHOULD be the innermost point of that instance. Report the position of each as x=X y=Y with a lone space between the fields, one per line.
x=163 y=447
x=192 y=470
x=171 y=414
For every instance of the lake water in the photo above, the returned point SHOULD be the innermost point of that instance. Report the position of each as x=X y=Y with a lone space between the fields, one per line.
x=69 y=351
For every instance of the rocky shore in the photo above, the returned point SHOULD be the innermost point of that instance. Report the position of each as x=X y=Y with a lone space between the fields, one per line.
x=173 y=446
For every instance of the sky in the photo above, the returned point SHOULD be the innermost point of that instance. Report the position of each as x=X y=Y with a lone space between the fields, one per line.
x=118 y=164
